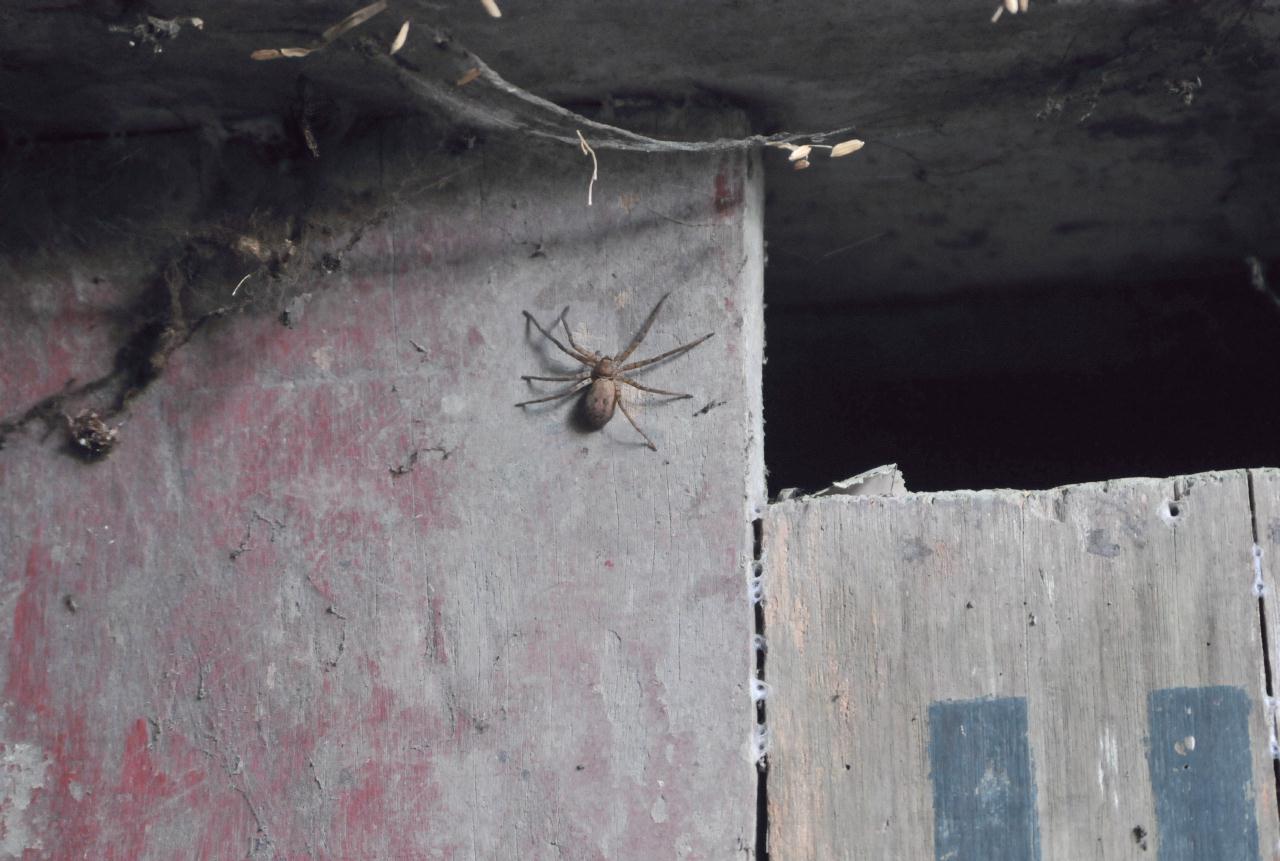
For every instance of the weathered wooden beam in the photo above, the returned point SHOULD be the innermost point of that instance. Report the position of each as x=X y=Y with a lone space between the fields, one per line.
x=1075 y=673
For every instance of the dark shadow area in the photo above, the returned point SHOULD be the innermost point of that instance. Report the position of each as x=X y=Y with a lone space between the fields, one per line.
x=1028 y=389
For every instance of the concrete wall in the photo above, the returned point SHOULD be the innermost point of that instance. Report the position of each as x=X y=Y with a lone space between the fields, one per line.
x=1076 y=673
x=331 y=594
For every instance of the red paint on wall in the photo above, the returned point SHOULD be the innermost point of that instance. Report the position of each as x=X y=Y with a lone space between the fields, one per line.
x=27 y=685
x=362 y=812
x=75 y=770
x=145 y=787
x=57 y=336
x=140 y=787
x=728 y=192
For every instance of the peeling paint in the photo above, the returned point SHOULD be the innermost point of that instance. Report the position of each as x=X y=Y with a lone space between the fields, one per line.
x=24 y=767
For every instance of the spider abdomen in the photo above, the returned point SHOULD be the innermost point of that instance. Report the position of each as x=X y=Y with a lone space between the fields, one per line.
x=597 y=406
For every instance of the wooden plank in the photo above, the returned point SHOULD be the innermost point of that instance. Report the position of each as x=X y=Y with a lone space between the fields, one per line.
x=874 y=610
x=1264 y=497
x=1160 y=599
x=980 y=766
x=242 y=633
x=1109 y=614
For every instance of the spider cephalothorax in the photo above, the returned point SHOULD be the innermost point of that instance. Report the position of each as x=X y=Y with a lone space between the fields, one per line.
x=605 y=374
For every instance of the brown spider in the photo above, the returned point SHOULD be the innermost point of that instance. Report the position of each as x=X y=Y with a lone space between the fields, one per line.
x=605 y=374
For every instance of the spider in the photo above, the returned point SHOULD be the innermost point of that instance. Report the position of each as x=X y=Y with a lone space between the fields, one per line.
x=606 y=373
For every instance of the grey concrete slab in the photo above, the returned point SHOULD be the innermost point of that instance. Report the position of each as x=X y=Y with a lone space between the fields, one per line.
x=333 y=595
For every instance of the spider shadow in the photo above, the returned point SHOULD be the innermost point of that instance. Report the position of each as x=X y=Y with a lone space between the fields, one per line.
x=552 y=364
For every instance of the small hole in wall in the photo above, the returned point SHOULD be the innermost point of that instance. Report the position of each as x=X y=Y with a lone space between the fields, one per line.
x=1173 y=508
x=1021 y=386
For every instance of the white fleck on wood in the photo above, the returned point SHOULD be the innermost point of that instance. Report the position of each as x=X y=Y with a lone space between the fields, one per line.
x=1081 y=599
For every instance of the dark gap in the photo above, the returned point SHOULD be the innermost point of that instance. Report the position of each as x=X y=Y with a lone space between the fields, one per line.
x=762 y=814
x=1027 y=386
x=9 y=140
x=1266 y=644
x=1266 y=668
x=762 y=768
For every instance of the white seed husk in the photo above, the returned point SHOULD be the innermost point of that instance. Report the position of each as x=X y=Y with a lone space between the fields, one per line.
x=847 y=147
x=401 y=38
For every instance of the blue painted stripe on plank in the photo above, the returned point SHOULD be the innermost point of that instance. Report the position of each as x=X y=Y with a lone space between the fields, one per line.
x=1202 y=774
x=984 y=792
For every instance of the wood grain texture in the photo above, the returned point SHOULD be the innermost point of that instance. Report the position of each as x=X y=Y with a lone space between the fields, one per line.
x=1264 y=485
x=1080 y=601
x=242 y=636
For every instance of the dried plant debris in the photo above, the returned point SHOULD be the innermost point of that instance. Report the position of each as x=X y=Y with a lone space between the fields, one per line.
x=309 y=136
x=467 y=77
x=1013 y=7
x=586 y=149
x=355 y=19
x=850 y=146
x=280 y=53
x=401 y=38
x=503 y=107
x=151 y=30
x=90 y=435
x=1185 y=89
x=798 y=154
x=273 y=246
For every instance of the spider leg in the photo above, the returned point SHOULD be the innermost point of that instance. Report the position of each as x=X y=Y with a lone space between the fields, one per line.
x=668 y=354
x=573 y=390
x=644 y=330
x=634 y=384
x=622 y=406
x=575 y=377
x=552 y=338
x=564 y=321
